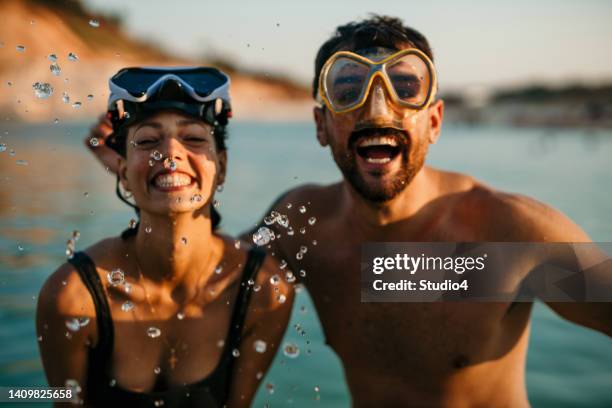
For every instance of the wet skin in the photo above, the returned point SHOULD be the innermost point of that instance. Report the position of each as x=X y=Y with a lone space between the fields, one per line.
x=172 y=271
x=418 y=354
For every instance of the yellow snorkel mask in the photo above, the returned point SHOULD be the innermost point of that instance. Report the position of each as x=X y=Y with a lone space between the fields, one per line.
x=346 y=80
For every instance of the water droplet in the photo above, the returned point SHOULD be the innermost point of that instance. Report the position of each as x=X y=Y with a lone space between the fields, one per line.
x=314 y=242
x=65 y=97
x=115 y=277
x=259 y=375
x=270 y=388
x=73 y=324
x=220 y=188
x=289 y=277
x=283 y=221
x=221 y=343
x=218 y=269
x=274 y=280
x=94 y=142
x=263 y=236
x=281 y=298
x=312 y=220
x=302 y=209
x=299 y=255
x=256 y=288
x=268 y=220
x=112 y=382
x=56 y=121
x=20 y=247
x=170 y=164
x=127 y=306
x=237 y=244
x=303 y=249
x=155 y=155
x=302 y=273
x=290 y=231
x=76 y=105
x=184 y=241
x=20 y=48
x=90 y=97
x=303 y=309
x=72 y=57
x=132 y=224
x=148 y=229
x=302 y=230
x=153 y=332
x=12 y=152
x=151 y=162
x=291 y=350
x=42 y=90
x=22 y=162
x=157 y=370
x=216 y=203
x=2 y=147
x=159 y=403
x=73 y=384
x=236 y=353
x=317 y=389
x=260 y=346
x=55 y=69
x=94 y=23
x=283 y=264
x=40 y=338
x=180 y=315
x=52 y=57
x=127 y=287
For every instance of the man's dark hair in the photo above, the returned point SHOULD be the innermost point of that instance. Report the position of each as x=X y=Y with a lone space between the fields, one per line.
x=376 y=31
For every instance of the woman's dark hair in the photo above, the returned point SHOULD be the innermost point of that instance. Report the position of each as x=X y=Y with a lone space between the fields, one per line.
x=376 y=31
x=119 y=144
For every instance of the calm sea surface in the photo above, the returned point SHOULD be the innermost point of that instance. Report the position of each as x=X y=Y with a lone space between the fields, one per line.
x=52 y=186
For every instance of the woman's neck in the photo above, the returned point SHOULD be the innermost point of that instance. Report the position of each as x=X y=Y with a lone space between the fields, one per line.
x=176 y=251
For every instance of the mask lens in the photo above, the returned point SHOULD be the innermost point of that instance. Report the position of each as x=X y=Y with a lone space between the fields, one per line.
x=203 y=81
x=345 y=82
x=136 y=81
x=410 y=78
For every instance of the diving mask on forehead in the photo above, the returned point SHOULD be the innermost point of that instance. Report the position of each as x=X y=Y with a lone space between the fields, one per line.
x=346 y=79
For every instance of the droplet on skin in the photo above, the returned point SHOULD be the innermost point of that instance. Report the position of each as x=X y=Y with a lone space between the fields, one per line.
x=94 y=142
x=127 y=306
x=42 y=90
x=218 y=269
x=132 y=224
x=221 y=343
x=312 y=220
x=20 y=48
x=76 y=105
x=115 y=277
x=170 y=164
x=90 y=97
x=157 y=370
x=52 y=57
x=159 y=403
x=184 y=241
x=65 y=97
x=22 y=162
x=283 y=264
x=274 y=280
x=153 y=332
x=302 y=230
x=94 y=23
x=260 y=346
x=72 y=57
x=180 y=315
x=281 y=298
x=55 y=69
x=155 y=155
x=263 y=236
x=237 y=244
x=302 y=209
x=303 y=249
x=236 y=353
x=148 y=229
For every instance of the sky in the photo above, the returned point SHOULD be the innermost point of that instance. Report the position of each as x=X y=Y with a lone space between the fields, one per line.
x=477 y=44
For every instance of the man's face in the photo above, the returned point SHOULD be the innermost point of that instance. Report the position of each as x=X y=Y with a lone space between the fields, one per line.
x=381 y=146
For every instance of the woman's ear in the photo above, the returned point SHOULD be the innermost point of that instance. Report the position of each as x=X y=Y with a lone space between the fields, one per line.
x=319 y=117
x=122 y=172
x=222 y=157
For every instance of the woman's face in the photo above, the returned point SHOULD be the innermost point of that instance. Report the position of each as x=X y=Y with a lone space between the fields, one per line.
x=172 y=164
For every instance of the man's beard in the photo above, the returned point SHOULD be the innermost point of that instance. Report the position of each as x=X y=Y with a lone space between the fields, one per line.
x=384 y=190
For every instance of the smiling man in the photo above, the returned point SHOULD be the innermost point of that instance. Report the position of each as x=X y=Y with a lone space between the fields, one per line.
x=378 y=113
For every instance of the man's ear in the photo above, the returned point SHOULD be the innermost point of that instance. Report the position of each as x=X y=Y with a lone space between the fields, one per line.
x=222 y=167
x=319 y=117
x=436 y=115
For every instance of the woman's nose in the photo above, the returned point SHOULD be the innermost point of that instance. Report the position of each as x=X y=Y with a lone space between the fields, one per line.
x=173 y=149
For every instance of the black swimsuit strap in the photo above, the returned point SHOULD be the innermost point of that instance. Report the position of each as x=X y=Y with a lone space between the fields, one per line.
x=103 y=350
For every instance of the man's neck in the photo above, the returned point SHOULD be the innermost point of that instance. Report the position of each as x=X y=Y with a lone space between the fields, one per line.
x=371 y=216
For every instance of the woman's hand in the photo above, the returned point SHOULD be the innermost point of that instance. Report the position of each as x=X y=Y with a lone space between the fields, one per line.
x=99 y=133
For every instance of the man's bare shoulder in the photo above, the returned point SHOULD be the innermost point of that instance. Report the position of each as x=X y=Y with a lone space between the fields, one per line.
x=512 y=216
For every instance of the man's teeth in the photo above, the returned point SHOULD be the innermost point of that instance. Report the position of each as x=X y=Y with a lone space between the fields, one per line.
x=377 y=141
x=378 y=161
x=172 y=180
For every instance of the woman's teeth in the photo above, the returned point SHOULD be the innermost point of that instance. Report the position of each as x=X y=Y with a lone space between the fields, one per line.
x=172 y=180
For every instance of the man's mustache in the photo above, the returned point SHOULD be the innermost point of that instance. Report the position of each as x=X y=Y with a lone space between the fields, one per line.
x=400 y=135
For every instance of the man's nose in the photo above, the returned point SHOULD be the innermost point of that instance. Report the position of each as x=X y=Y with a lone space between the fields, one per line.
x=377 y=105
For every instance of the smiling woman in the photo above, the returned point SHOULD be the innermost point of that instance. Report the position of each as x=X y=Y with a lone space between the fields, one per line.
x=169 y=312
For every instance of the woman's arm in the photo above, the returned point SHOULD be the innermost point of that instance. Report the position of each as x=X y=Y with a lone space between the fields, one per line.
x=63 y=341
x=266 y=322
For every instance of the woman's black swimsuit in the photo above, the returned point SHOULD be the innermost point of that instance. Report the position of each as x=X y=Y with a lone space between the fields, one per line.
x=211 y=391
